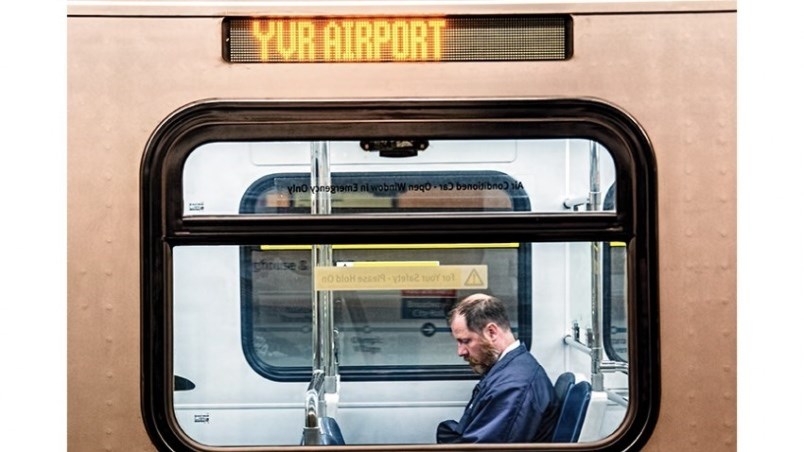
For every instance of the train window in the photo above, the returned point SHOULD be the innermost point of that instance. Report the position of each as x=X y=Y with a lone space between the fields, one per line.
x=615 y=306
x=376 y=327
x=372 y=182
x=276 y=280
x=297 y=270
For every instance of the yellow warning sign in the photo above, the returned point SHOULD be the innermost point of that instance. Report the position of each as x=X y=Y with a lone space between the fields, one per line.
x=401 y=277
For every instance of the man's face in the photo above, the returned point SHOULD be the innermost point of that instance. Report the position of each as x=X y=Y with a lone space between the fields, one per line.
x=474 y=348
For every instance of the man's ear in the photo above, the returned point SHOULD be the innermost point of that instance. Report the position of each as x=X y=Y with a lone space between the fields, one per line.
x=491 y=331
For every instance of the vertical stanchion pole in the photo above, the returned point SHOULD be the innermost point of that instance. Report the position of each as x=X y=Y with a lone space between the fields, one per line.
x=594 y=205
x=322 y=309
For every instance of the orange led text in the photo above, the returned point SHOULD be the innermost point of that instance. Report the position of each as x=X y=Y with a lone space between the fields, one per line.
x=342 y=40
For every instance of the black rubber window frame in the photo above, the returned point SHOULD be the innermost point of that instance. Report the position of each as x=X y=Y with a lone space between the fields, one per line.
x=163 y=225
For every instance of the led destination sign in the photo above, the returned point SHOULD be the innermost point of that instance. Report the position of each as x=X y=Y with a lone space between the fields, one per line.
x=395 y=39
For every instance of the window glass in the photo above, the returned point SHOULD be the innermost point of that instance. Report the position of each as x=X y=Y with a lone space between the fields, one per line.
x=544 y=175
x=382 y=332
x=615 y=307
x=376 y=327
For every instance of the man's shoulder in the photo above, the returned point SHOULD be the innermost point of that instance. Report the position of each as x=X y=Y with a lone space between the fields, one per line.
x=526 y=360
x=521 y=365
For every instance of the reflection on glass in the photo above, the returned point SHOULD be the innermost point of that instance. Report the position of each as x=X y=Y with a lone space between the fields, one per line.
x=450 y=176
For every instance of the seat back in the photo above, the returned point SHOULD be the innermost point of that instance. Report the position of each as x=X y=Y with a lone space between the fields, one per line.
x=331 y=432
x=563 y=384
x=573 y=412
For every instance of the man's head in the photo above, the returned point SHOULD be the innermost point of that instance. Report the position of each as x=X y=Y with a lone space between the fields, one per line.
x=481 y=327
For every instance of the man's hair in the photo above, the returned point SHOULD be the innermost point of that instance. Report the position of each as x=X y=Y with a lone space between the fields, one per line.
x=479 y=310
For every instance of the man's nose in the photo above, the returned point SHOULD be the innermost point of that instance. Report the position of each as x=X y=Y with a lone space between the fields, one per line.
x=462 y=351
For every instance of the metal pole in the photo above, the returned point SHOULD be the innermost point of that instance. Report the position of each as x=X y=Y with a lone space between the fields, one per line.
x=594 y=205
x=322 y=310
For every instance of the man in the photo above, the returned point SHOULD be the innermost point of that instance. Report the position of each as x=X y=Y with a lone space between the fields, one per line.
x=514 y=401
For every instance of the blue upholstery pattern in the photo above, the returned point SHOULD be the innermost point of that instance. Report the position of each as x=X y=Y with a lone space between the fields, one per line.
x=563 y=384
x=573 y=412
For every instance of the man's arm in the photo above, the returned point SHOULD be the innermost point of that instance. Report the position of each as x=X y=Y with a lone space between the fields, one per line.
x=448 y=432
x=502 y=414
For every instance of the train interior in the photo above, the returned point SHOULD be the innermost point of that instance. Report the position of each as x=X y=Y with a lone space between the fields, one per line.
x=282 y=344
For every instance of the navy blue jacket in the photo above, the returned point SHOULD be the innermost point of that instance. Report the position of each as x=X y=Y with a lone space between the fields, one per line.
x=514 y=402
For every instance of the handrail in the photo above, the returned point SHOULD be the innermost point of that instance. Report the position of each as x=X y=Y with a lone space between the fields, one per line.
x=311 y=434
x=574 y=343
x=617 y=398
x=312 y=398
x=606 y=365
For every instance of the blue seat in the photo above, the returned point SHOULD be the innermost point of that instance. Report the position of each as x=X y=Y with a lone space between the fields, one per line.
x=331 y=432
x=573 y=412
x=563 y=383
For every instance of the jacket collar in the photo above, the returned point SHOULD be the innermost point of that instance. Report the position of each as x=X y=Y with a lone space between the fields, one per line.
x=504 y=361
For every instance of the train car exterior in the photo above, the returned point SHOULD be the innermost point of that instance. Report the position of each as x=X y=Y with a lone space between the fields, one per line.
x=147 y=81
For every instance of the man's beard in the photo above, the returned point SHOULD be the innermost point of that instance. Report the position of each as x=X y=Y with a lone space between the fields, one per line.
x=487 y=358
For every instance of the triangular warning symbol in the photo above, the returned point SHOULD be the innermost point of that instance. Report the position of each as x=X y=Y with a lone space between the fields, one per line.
x=474 y=279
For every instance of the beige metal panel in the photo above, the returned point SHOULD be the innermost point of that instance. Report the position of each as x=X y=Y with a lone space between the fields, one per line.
x=350 y=7
x=105 y=142
x=678 y=80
